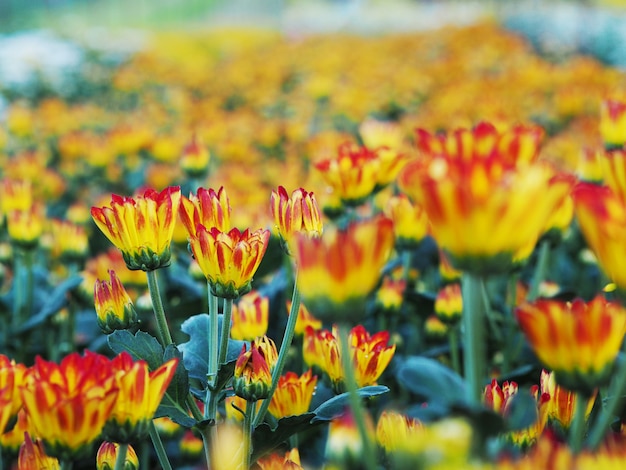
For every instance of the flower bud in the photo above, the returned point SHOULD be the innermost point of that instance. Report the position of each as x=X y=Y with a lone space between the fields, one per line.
x=107 y=455
x=113 y=305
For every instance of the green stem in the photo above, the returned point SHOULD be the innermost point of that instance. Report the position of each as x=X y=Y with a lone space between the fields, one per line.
x=163 y=331
x=577 y=431
x=226 y=315
x=158 y=447
x=618 y=385
x=209 y=436
x=369 y=457
x=122 y=450
x=282 y=354
x=213 y=351
x=540 y=270
x=473 y=336
x=453 y=338
x=23 y=286
x=248 y=425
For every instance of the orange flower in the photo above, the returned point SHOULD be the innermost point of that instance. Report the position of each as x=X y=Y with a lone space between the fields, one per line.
x=191 y=446
x=298 y=213
x=613 y=164
x=579 y=341
x=250 y=317
x=391 y=294
x=140 y=393
x=613 y=122
x=207 y=208
x=305 y=319
x=293 y=394
x=11 y=378
x=481 y=183
x=141 y=228
x=562 y=403
x=107 y=455
x=33 y=456
x=370 y=354
x=601 y=215
x=252 y=379
x=410 y=222
x=276 y=461
x=114 y=308
x=68 y=404
x=229 y=259
x=337 y=271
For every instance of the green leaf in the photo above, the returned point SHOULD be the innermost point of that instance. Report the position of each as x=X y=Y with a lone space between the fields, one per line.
x=336 y=406
x=265 y=439
x=432 y=381
x=142 y=346
x=521 y=411
x=196 y=350
x=174 y=400
x=55 y=302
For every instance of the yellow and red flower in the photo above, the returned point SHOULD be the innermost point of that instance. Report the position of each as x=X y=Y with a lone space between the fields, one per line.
x=107 y=455
x=277 y=461
x=15 y=195
x=601 y=215
x=114 y=308
x=579 y=341
x=229 y=259
x=298 y=213
x=33 y=456
x=26 y=226
x=250 y=317
x=482 y=183
x=253 y=378
x=449 y=304
x=398 y=433
x=68 y=404
x=562 y=403
x=207 y=208
x=613 y=164
x=390 y=295
x=293 y=394
x=337 y=271
x=371 y=354
x=140 y=393
x=142 y=227
x=613 y=122
x=305 y=319
x=410 y=222
x=195 y=159
x=69 y=241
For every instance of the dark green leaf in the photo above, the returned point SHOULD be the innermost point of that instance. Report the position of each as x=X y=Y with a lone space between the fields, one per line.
x=432 y=381
x=55 y=302
x=264 y=439
x=141 y=345
x=521 y=411
x=196 y=350
x=336 y=406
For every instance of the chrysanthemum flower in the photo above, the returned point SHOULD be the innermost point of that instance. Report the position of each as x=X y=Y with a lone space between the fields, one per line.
x=449 y=304
x=140 y=393
x=114 y=308
x=26 y=226
x=142 y=227
x=253 y=378
x=298 y=213
x=562 y=402
x=229 y=259
x=480 y=184
x=278 y=461
x=410 y=222
x=107 y=455
x=68 y=404
x=371 y=354
x=305 y=319
x=250 y=317
x=579 y=341
x=293 y=394
x=337 y=271
x=398 y=433
x=33 y=456
x=208 y=208
x=69 y=241
x=196 y=157
x=613 y=122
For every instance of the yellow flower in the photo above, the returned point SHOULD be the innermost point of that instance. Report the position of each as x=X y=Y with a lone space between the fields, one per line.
x=276 y=461
x=449 y=304
x=107 y=455
x=207 y=208
x=613 y=122
x=398 y=433
x=229 y=259
x=114 y=308
x=391 y=294
x=195 y=158
x=410 y=222
x=140 y=393
x=337 y=271
x=26 y=226
x=298 y=213
x=69 y=241
x=293 y=394
x=579 y=341
x=33 y=456
x=481 y=183
x=141 y=228
x=305 y=319
x=562 y=403
x=250 y=317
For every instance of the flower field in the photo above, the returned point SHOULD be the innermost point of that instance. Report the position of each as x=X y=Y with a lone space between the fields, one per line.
x=238 y=249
